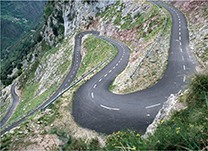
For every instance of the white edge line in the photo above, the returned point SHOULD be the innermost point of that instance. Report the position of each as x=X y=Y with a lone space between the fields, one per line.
x=147 y=107
x=109 y=108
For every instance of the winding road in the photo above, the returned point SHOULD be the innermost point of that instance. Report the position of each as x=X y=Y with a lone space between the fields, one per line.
x=13 y=106
x=95 y=107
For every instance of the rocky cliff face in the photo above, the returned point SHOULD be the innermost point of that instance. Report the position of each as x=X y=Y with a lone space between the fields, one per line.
x=73 y=16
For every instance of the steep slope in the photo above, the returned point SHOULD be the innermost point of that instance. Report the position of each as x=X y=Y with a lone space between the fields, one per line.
x=17 y=17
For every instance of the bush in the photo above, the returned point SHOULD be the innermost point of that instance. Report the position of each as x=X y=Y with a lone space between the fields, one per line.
x=198 y=90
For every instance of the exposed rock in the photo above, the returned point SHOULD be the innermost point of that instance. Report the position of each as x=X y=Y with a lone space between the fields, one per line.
x=169 y=107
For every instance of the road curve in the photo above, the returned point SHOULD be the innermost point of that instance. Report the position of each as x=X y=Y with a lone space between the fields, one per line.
x=96 y=108
x=68 y=80
x=13 y=107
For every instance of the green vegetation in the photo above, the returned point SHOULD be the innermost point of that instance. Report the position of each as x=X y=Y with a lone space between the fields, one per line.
x=97 y=52
x=16 y=18
x=187 y=129
x=29 y=101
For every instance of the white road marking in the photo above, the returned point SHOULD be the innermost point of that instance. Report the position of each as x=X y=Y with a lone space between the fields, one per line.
x=184 y=67
x=109 y=108
x=180 y=43
x=114 y=67
x=110 y=71
x=181 y=49
x=94 y=86
x=180 y=38
x=179 y=19
x=71 y=76
x=148 y=114
x=65 y=84
x=179 y=22
x=184 y=78
x=105 y=75
x=69 y=80
x=180 y=25
x=179 y=29
x=92 y=95
x=119 y=61
x=100 y=80
x=116 y=64
x=182 y=58
x=193 y=63
x=73 y=71
x=179 y=33
x=151 y=106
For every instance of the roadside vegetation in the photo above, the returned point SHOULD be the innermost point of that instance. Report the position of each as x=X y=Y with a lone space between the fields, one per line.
x=54 y=122
x=185 y=130
x=31 y=98
x=144 y=26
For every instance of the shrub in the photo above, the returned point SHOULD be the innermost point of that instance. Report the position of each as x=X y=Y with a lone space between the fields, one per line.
x=198 y=90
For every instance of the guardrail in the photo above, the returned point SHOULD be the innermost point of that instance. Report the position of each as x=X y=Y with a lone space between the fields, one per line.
x=23 y=115
x=43 y=108
x=154 y=42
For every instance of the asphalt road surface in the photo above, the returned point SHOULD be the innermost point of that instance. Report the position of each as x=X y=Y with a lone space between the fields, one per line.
x=13 y=106
x=96 y=108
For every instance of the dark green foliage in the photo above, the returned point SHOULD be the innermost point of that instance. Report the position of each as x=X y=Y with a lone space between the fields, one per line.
x=198 y=90
x=17 y=17
x=137 y=15
x=47 y=11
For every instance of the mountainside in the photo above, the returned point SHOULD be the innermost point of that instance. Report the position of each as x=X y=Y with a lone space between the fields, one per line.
x=136 y=23
x=17 y=17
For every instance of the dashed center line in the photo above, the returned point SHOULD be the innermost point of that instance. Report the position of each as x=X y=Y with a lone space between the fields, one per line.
x=180 y=38
x=151 y=106
x=181 y=49
x=69 y=80
x=184 y=78
x=109 y=108
x=184 y=67
x=179 y=33
x=180 y=43
x=116 y=64
x=100 y=80
x=94 y=86
x=110 y=71
x=92 y=95
x=114 y=67
x=105 y=75
x=182 y=58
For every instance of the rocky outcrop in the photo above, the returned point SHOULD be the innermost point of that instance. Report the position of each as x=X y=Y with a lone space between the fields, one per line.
x=169 y=107
x=73 y=16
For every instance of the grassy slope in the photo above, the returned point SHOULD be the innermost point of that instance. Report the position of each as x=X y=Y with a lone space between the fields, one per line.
x=94 y=47
x=141 y=25
x=29 y=99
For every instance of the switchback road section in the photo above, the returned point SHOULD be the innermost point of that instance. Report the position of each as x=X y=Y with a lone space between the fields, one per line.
x=96 y=108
